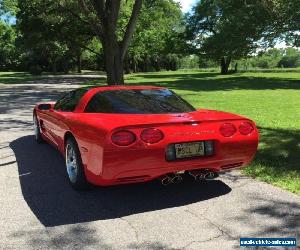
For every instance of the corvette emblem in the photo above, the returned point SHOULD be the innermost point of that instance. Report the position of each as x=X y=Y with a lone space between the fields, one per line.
x=194 y=133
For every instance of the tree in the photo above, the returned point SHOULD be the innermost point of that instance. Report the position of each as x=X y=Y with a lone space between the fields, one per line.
x=58 y=36
x=71 y=25
x=285 y=25
x=267 y=59
x=291 y=58
x=226 y=30
x=157 y=40
x=8 y=50
x=8 y=7
x=9 y=58
x=63 y=29
x=102 y=15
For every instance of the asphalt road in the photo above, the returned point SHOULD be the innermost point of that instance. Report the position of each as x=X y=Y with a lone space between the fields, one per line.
x=38 y=209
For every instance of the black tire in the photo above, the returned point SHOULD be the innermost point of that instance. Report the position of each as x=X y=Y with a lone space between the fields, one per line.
x=76 y=176
x=37 y=130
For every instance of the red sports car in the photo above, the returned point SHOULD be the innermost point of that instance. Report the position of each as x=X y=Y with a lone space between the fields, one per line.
x=127 y=134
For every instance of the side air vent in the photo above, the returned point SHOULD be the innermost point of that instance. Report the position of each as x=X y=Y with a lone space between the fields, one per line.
x=234 y=165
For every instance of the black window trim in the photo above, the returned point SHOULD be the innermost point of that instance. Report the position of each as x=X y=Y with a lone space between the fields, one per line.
x=71 y=95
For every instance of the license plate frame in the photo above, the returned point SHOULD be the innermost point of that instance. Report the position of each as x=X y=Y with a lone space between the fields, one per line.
x=189 y=150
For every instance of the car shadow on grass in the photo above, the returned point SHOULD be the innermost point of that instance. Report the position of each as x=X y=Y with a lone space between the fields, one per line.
x=277 y=159
x=46 y=190
x=210 y=81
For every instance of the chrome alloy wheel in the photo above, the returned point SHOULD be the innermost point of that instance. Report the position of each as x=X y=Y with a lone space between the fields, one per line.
x=71 y=163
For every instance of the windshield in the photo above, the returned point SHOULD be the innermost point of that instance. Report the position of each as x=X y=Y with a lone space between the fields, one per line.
x=142 y=101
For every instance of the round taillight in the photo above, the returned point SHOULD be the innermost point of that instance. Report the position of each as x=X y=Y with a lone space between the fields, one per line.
x=246 y=128
x=227 y=129
x=123 y=138
x=151 y=135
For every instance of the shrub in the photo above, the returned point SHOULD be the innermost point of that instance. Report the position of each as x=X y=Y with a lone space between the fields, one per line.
x=35 y=70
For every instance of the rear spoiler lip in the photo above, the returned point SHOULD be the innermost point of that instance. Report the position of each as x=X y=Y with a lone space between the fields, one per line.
x=188 y=122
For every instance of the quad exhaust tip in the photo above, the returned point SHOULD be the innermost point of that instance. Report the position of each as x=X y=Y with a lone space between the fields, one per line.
x=171 y=178
x=198 y=175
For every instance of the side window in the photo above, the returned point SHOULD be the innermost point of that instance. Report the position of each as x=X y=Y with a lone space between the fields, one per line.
x=99 y=104
x=60 y=103
x=69 y=101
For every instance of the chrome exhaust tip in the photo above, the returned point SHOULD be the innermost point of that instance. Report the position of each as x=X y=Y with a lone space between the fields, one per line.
x=177 y=179
x=210 y=176
x=166 y=180
x=203 y=174
x=194 y=174
x=200 y=177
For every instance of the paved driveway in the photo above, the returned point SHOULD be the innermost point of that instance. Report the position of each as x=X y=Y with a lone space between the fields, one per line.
x=38 y=210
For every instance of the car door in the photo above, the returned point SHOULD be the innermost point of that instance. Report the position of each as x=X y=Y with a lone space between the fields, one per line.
x=53 y=117
x=63 y=109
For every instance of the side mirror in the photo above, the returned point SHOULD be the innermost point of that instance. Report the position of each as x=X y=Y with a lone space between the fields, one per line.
x=45 y=106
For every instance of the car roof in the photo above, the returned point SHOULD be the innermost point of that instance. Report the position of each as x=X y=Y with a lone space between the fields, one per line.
x=121 y=87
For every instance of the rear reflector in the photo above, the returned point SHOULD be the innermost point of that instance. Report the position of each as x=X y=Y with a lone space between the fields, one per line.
x=123 y=138
x=228 y=129
x=170 y=153
x=209 y=147
x=151 y=135
x=246 y=128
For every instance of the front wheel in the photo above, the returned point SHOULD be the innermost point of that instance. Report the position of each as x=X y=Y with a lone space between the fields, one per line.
x=74 y=165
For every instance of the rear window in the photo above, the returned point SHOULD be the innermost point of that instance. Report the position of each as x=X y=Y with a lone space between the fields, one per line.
x=158 y=101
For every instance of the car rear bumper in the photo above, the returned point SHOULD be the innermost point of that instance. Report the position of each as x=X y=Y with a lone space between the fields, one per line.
x=141 y=165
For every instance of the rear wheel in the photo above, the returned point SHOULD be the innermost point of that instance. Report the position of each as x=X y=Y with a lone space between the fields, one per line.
x=74 y=165
x=37 y=130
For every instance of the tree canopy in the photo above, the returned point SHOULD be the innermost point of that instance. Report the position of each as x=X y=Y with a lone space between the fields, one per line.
x=134 y=35
x=66 y=32
x=226 y=30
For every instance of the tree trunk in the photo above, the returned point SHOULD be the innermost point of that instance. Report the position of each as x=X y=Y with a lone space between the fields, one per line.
x=65 y=65
x=113 y=62
x=134 y=63
x=54 y=68
x=105 y=27
x=126 y=64
x=236 y=67
x=225 y=62
x=146 y=63
x=78 y=62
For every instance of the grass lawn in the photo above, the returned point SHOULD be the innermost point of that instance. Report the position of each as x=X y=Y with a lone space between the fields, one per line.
x=16 y=77
x=271 y=99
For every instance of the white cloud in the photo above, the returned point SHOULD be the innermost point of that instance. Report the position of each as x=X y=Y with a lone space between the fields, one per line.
x=186 y=5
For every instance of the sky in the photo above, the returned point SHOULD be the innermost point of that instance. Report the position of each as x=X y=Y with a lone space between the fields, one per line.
x=186 y=5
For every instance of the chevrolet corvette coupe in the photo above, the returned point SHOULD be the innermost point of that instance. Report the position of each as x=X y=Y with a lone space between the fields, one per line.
x=127 y=134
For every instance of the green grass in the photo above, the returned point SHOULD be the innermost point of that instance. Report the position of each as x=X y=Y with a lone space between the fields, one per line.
x=271 y=99
x=17 y=77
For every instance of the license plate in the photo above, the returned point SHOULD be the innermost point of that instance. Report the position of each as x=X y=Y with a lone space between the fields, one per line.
x=190 y=149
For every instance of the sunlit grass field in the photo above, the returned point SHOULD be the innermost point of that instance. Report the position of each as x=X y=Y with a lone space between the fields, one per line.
x=271 y=99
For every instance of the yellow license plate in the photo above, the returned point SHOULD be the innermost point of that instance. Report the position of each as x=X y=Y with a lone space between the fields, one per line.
x=190 y=149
